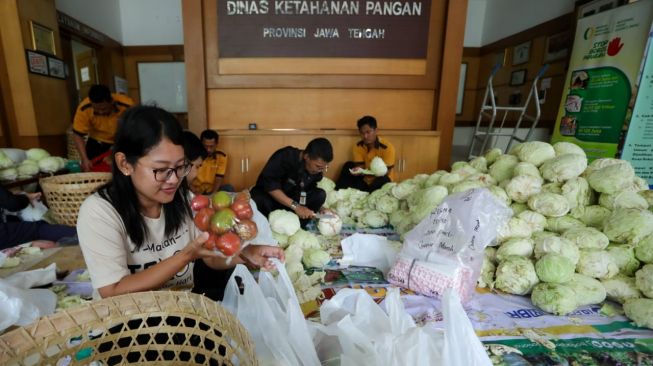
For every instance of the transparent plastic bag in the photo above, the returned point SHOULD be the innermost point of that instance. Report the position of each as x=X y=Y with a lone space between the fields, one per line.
x=445 y=250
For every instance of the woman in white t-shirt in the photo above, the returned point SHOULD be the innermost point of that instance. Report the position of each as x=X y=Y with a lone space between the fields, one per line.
x=137 y=232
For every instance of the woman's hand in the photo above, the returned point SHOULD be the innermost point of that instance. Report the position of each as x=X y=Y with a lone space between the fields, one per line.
x=195 y=249
x=33 y=197
x=259 y=255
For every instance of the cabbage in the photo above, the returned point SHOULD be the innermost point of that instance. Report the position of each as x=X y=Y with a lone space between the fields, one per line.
x=624 y=257
x=8 y=174
x=554 y=268
x=524 y=168
x=628 y=225
x=552 y=188
x=449 y=179
x=282 y=239
x=612 y=178
x=639 y=184
x=536 y=152
x=521 y=187
x=463 y=169
x=518 y=207
x=577 y=192
x=483 y=178
x=403 y=189
x=588 y=290
x=479 y=163
x=374 y=219
x=387 y=204
x=648 y=196
x=326 y=184
x=563 y=167
x=293 y=254
x=513 y=228
x=487 y=274
x=503 y=167
x=28 y=168
x=344 y=208
x=549 y=204
x=51 y=164
x=490 y=253
x=597 y=264
x=644 y=280
x=587 y=238
x=640 y=311
x=433 y=179
x=516 y=275
x=378 y=167
x=555 y=244
x=466 y=185
x=624 y=199
x=492 y=155
x=621 y=288
x=522 y=247
x=563 y=147
x=36 y=154
x=294 y=269
x=284 y=222
x=535 y=220
x=315 y=258
x=593 y=215
x=554 y=298
x=562 y=224
x=5 y=161
x=644 y=249
x=501 y=194
x=329 y=226
x=304 y=240
x=539 y=235
x=428 y=199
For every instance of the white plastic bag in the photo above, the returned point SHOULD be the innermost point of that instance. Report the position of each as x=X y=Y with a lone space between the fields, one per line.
x=20 y=305
x=354 y=330
x=270 y=312
x=445 y=250
x=33 y=212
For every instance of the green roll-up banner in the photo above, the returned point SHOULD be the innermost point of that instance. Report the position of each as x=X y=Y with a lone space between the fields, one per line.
x=603 y=67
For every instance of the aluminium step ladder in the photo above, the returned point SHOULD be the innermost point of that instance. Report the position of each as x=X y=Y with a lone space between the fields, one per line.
x=486 y=132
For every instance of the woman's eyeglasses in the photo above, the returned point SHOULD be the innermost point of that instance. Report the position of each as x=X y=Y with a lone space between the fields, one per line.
x=163 y=174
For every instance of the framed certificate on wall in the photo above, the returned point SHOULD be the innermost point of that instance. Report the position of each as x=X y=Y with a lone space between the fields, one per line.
x=42 y=38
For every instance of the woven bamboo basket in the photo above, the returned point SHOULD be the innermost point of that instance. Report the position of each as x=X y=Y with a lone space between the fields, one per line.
x=148 y=328
x=71 y=149
x=65 y=193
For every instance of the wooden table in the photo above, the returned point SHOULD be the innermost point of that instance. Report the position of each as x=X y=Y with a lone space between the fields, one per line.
x=67 y=259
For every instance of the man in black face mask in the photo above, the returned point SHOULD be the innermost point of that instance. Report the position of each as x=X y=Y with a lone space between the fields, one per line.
x=289 y=180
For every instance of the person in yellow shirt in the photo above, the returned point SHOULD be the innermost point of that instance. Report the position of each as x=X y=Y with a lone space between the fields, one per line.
x=211 y=173
x=97 y=118
x=369 y=147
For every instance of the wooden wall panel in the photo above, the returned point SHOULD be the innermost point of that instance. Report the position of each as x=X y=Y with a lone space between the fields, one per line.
x=317 y=66
x=318 y=108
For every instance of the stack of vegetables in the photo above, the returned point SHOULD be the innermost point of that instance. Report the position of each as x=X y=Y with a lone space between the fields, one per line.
x=580 y=233
x=33 y=161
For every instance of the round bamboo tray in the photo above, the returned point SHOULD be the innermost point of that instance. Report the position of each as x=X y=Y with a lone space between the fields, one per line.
x=147 y=328
x=64 y=194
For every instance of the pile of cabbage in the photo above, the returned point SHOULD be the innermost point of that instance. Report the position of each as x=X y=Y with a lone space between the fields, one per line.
x=302 y=250
x=580 y=233
x=26 y=164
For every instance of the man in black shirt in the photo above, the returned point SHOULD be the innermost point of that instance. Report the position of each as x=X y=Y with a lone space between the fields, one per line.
x=289 y=180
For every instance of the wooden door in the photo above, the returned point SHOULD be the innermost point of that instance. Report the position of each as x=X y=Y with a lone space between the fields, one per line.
x=258 y=150
x=342 y=153
x=233 y=146
x=86 y=71
x=416 y=155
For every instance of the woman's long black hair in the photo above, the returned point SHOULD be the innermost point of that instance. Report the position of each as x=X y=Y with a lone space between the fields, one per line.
x=140 y=129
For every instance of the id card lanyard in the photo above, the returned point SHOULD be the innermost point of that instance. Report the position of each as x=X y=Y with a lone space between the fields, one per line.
x=302 y=194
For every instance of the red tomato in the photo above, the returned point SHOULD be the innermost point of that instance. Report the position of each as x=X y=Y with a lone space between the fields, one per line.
x=242 y=209
x=202 y=218
x=228 y=243
x=242 y=196
x=199 y=202
x=246 y=229
x=212 y=242
x=222 y=221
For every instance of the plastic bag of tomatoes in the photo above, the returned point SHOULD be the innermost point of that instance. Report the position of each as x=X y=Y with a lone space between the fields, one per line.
x=227 y=218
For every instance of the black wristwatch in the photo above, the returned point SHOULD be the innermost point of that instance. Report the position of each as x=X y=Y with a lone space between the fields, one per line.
x=293 y=205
